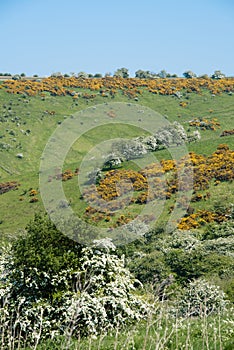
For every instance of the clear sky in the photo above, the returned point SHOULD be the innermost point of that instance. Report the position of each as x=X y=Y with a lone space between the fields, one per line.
x=99 y=36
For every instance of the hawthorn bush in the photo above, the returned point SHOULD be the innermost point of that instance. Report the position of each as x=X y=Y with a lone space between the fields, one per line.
x=200 y=298
x=51 y=285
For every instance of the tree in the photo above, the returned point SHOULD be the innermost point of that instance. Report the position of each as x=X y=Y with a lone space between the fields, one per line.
x=163 y=74
x=172 y=134
x=16 y=77
x=82 y=75
x=105 y=297
x=57 y=75
x=122 y=73
x=95 y=176
x=144 y=74
x=98 y=75
x=218 y=75
x=107 y=74
x=189 y=74
x=46 y=250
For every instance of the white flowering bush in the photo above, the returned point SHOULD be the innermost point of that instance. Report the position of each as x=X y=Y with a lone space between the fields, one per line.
x=22 y=319
x=167 y=136
x=129 y=149
x=96 y=296
x=201 y=298
x=104 y=295
x=170 y=135
x=186 y=240
x=150 y=143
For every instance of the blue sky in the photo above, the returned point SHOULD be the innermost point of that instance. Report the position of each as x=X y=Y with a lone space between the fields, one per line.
x=46 y=36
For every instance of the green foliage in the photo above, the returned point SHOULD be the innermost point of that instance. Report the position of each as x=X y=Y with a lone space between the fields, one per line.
x=214 y=231
x=186 y=255
x=45 y=248
x=16 y=77
x=163 y=74
x=122 y=72
x=186 y=265
x=189 y=74
x=217 y=75
x=144 y=74
x=129 y=149
x=149 y=268
x=41 y=254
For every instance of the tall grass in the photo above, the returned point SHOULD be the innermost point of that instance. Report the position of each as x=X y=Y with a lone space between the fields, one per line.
x=161 y=331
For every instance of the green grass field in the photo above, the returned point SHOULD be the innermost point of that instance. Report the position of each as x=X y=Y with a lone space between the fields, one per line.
x=26 y=126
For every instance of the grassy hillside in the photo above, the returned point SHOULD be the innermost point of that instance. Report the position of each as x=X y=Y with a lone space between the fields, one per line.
x=28 y=120
x=27 y=123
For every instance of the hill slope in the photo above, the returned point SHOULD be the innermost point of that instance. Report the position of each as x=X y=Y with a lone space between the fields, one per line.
x=31 y=111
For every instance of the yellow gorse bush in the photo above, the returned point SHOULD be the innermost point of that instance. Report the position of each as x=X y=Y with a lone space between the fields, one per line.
x=121 y=188
x=131 y=87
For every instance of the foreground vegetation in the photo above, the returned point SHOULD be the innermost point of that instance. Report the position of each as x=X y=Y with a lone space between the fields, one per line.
x=56 y=293
x=160 y=333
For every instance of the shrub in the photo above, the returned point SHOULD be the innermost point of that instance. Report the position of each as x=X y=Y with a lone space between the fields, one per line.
x=16 y=77
x=105 y=297
x=214 y=231
x=173 y=134
x=33 y=199
x=189 y=74
x=218 y=75
x=130 y=149
x=149 y=268
x=121 y=72
x=8 y=186
x=201 y=299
